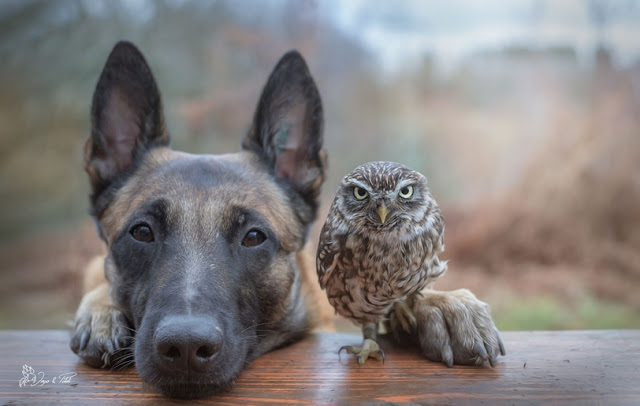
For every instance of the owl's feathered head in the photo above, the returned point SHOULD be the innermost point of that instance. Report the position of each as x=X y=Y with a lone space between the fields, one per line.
x=384 y=195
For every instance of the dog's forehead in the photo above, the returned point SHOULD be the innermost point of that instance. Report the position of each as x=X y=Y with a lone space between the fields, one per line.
x=203 y=174
x=185 y=178
x=201 y=188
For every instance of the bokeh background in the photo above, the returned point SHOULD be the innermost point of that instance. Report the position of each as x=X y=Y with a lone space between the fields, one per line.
x=523 y=114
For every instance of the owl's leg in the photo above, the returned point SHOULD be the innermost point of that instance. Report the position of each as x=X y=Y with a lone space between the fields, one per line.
x=369 y=347
x=405 y=316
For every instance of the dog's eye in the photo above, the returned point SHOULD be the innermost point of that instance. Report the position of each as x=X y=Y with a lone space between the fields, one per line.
x=142 y=232
x=253 y=238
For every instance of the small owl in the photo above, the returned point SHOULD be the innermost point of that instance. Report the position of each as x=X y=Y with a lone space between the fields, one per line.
x=378 y=247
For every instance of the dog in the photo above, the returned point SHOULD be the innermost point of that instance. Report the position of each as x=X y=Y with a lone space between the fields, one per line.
x=205 y=264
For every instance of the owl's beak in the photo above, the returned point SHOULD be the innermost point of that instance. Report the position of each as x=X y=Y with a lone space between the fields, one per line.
x=383 y=212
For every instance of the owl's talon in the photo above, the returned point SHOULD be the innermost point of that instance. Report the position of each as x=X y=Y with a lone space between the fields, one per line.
x=368 y=349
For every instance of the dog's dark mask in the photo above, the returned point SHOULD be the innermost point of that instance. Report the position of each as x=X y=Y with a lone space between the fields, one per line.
x=203 y=249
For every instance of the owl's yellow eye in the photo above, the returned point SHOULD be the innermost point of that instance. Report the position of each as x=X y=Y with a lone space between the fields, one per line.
x=360 y=193
x=406 y=192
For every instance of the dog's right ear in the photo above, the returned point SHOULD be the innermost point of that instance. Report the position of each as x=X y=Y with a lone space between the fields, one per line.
x=126 y=118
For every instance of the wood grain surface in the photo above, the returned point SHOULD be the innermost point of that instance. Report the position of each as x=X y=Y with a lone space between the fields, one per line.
x=568 y=367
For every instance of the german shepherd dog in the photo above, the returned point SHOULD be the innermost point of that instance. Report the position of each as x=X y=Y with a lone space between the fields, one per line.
x=205 y=262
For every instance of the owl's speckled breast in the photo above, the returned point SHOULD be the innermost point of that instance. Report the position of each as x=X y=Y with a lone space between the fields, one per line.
x=375 y=280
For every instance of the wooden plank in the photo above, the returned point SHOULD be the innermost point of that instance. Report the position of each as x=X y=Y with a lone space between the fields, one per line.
x=586 y=367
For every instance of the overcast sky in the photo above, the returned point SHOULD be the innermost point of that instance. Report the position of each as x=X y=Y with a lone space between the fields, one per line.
x=400 y=32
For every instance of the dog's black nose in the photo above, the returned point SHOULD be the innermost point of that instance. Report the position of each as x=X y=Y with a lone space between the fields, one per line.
x=188 y=343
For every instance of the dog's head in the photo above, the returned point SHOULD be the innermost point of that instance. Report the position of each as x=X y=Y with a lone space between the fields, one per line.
x=202 y=248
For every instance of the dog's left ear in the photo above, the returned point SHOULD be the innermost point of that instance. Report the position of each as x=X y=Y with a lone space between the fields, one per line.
x=287 y=130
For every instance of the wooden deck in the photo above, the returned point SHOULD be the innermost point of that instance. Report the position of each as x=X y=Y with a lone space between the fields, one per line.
x=570 y=367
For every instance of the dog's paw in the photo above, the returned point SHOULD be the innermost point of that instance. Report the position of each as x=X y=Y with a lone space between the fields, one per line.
x=102 y=335
x=456 y=328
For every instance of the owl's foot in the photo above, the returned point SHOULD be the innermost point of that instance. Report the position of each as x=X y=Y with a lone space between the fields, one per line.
x=368 y=349
x=405 y=316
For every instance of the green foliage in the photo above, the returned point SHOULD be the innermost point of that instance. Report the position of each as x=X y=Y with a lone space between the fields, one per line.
x=546 y=313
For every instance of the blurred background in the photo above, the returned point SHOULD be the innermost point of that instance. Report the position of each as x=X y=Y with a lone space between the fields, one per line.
x=523 y=114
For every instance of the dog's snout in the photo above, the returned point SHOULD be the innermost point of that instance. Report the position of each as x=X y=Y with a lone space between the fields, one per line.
x=188 y=343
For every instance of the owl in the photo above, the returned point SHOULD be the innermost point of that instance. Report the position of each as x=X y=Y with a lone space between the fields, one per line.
x=378 y=247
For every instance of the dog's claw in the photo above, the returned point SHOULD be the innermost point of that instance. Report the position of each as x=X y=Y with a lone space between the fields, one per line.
x=84 y=339
x=447 y=356
x=503 y=352
x=479 y=350
x=109 y=345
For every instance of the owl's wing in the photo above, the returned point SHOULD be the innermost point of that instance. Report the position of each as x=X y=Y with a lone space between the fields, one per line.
x=433 y=243
x=328 y=255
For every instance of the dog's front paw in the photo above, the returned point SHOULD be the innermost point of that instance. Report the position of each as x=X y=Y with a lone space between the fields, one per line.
x=456 y=328
x=102 y=333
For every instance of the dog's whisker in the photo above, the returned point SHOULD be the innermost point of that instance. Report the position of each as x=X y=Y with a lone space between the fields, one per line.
x=131 y=329
x=254 y=326
x=120 y=365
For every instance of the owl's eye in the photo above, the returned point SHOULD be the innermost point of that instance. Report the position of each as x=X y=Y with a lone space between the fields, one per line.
x=360 y=193
x=406 y=192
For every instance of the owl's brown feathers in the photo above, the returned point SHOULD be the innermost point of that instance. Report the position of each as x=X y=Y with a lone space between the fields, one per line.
x=379 y=249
